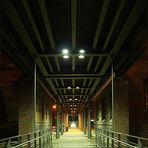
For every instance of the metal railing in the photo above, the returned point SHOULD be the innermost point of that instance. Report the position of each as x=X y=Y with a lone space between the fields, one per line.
x=110 y=139
x=38 y=139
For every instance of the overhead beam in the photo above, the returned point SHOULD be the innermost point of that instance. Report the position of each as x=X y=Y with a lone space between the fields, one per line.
x=130 y=22
x=100 y=23
x=73 y=88
x=57 y=63
x=89 y=63
x=49 y=64
x=72 y=95
x=98 y=62
x=73 y=63
x=18 y=25
x=33 y=25
x=46 y=22
x=74 y=55
x=73 y=75
x=73 y=85
x=52 y=86
x=63 y=85
x=73 y=22
x=113 y=24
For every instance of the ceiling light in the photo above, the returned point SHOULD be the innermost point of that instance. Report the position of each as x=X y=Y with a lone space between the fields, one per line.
x=77 y=87
x=70 y=99
x=81 y=56
x=76 y=99
x=65 y=56
x=65 y=51
x=82 y=51
x=69 y=87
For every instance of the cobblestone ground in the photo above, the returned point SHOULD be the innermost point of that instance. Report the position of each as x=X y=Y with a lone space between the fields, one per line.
x=74 y=138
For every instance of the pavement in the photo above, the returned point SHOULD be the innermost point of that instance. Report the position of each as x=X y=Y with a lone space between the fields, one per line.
x=74 y=138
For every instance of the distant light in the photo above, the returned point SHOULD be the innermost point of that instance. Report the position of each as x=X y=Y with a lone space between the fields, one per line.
x=65 y=56
x=92 y=120
x=65 y=51
x=81 y=56
x=77 y=87
x=82 y=51
x=75 y=105
x=76 y=99
x=69 y=87
x=70 y=99
x=70 y=105
x=73 y=124
x=54 y=106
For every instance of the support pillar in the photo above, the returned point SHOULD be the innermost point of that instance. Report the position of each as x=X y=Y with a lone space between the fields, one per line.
x=62 y=123
x=80 y=121
x=84 y=121
x=66 y=122
x=57 y=122
x=89 y=120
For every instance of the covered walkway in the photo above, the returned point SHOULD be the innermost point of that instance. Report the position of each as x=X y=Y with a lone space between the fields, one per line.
x=74 y=63
x=74 y=138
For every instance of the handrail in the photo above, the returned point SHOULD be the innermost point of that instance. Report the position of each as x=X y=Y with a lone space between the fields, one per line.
x=25 y=143
x=38 y=137
x=22 y=135
x=128 y=135
x=106 y=138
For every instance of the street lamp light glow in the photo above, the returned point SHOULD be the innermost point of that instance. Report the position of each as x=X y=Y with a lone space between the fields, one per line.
x=82 y=51
x=65 y=56
x=65 y=51
x=81 y=56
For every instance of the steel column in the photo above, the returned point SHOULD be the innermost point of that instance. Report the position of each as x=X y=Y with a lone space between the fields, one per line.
x=84 y=122
x=112 y=70
x=89 y=120
x=57 y=122
x=62 y=122
x=34 y=100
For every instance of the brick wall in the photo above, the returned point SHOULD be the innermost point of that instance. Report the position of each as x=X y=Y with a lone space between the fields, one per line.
x=43 y=111
x=136 y=76
x=121 y=106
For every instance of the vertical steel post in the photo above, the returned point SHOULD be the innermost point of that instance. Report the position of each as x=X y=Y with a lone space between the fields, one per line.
x=89 y=120
x=113 y=128
x=57 y=122
x=61 y=123
x=84 y=126
x=35 y=93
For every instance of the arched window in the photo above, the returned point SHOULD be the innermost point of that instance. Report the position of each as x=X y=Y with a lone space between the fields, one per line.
x=146 y=92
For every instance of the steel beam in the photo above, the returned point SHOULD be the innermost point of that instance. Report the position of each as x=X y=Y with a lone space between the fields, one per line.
x=100 y=23
x=34 y=27
x=46 y=22
x=73 y=75
x=89 y=63
x=73 y=22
